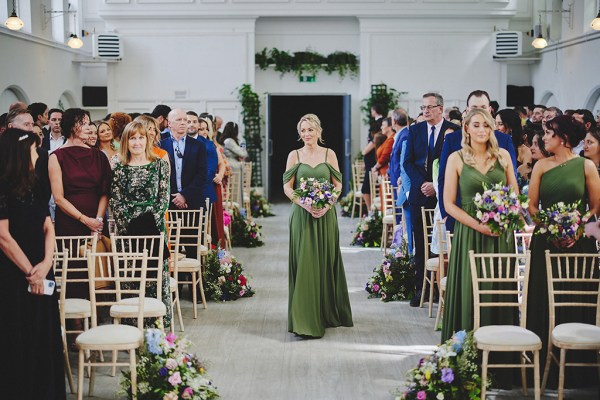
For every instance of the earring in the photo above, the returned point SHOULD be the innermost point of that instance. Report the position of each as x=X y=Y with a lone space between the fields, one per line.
x=562 y=143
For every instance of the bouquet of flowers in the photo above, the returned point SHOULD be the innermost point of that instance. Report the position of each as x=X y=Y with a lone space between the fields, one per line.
x=451 y=372
x=224 y=277
x=368 y=231
x=346 y=204
x=167 y=371
x=259 y=206
x=500 y=208
x=316 y=192
x=560 y=222
x=394 y=277
x=245 y=231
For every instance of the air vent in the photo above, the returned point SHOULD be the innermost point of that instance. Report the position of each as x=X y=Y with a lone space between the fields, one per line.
x=107 y=46
x=508 y=44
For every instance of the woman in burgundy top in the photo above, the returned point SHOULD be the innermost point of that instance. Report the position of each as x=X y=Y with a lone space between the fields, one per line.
x=80 y=181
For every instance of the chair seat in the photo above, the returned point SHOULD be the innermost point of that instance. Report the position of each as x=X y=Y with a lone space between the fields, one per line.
x=432 y=264
x=77 y=308
x=203 y=250
x=506 y=338
x=121 y=336
x=388 y=219
x=376 y=202
x=188 y=265
x=576 y=335
x=443 y=282
x=357 y=193
x=180 y=256
x=128 y=308
x=172 y=284
x=246 y=198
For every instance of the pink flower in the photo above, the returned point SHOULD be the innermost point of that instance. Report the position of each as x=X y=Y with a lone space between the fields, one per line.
x=376 y=287
x=175 y=379
x=421 y=395
x=171 y=363
x=188 y=393
x=485 y=218
x=170 y=338
x=170 y=396
x=226 y=218
x=242 y=293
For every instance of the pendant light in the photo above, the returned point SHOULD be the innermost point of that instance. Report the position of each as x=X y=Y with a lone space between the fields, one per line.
x=14 y=22
x=539 y=42
x=596 y=22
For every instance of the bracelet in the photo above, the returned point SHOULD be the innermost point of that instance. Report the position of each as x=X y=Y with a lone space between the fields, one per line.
x=99 y=219
x=80 y=216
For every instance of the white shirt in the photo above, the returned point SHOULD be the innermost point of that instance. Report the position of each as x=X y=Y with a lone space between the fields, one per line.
x=438 y=128
x=55 y=143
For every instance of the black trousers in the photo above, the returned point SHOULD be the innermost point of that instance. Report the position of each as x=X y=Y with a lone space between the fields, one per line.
x=417 y=228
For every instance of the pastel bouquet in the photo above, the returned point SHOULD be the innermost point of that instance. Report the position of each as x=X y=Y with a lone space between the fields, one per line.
x=368 y=231
x=560 y=223
x=245 y=231
x=224 y=277
x=346 y=204
x=394 y=278
x=451 y=372
x=259 y=206
x=500 y=208
x=316 y=192
x=166 y=370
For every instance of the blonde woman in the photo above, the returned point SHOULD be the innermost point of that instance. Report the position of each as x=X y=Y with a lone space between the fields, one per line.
x=106 y=142
x=479 y=162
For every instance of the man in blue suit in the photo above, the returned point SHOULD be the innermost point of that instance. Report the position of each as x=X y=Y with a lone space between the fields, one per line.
x=188 y=164
x=424 y=144
x=452 y=143
x=399 y=124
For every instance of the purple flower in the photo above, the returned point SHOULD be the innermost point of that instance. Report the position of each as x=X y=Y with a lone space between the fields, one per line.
x=163 y=371
x=447 y=375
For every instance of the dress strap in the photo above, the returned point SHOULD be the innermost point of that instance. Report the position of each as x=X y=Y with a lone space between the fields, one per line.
x=297 y=156
x=460 y=154
x=326 y=151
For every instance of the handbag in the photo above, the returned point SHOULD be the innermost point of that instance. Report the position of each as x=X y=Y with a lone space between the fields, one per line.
x=102 y=246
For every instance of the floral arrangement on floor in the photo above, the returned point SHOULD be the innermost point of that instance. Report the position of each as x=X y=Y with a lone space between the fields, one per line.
x=500 y=208
x=166 y=370
x=368 y=231
x=316 y=192
x=259 y=206
x=245 y=231
x=346 y=204
x=561 y=223
x=451 y=372
x=224 y=277
x=394 y=278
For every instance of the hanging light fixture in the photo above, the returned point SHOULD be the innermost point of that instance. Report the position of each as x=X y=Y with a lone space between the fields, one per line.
x=539 y=42
x=74 y=42
x=14 y=22
x=596 y=22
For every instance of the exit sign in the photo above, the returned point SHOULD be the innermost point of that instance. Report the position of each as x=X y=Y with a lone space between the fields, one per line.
x=308 y=78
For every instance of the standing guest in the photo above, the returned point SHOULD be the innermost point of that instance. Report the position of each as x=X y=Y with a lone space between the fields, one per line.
x=35 y=351
x=424 y=145
x=395 y=171
x=218 y=126
x=193 y=123
x=55 y=138
x=369 y=152
x=591 y=146
x=479 y=162
x=508 y=121
x=3 y=122
x=384 y=152
x=140 y=195
x=233 y=151
x=106 y=140
x=562 y=177
x=550 y=113
x=92 y=140
x=586 y=118
x=537 y=114
x=538 y=149
x=152 y=128
x=318 y=293
x=38 y=131
x=80 y=181
x=39 y=112
x=20 y=118
x=161 y=114
x=118 y=121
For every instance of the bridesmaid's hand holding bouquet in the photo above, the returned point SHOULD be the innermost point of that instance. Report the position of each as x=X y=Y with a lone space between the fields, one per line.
x=500 y=208
x=315 y=194
x=562 y=224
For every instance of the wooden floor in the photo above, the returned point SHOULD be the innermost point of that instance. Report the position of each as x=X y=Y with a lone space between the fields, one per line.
x=251 y=356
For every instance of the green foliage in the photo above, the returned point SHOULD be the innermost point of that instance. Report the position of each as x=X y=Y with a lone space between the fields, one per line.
x=251 y=119
x=368 y=231
x=245 y=231
x=224 y=278
x=382 y=95
x=308 y=62
x=394 y=278
x=259 y=206
x=346 y=204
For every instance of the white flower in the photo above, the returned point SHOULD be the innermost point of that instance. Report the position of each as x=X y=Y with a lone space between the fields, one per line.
x=440 y=396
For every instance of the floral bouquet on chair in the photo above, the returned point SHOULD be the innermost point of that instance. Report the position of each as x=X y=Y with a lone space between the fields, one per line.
x=500 y=208
x=224 y=277
x=259 y=206
x=316 y=192
x=245 y=231
x=562 y=224
x=368 y=231
x=167 y=371
x=346 y=204
x=451 y=372
x=394 y=278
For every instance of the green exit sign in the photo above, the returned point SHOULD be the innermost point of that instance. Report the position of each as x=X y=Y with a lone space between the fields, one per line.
x=308 y=78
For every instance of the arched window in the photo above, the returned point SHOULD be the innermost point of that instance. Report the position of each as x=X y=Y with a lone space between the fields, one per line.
x=10 y=95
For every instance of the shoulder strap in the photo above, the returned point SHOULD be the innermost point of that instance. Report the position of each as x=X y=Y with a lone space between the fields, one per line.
x=297 y=156
x=460 y=154
x=326 y=151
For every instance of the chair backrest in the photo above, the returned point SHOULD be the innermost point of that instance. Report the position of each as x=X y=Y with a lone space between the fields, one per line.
x=569 y=276
x=127 y=274
x=191 y=229
x=232 y=195
x=444 y=246
x=387 y=193
x=60 y=264
x=112 y=226
x=497 y=281
x=153 y=246
x=207 y=224
x=358 y=174
x=247 y=177
x=522 y=240
x=428 y=223
x=77 y=248
x=374 y=184
x=173 y=231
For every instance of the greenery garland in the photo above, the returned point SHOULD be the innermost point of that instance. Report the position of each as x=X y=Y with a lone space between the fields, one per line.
x=251 y=119
x=224 y=278
x=394 y=278
x=308 y=62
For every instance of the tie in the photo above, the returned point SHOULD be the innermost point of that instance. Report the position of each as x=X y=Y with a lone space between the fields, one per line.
x=432 y=142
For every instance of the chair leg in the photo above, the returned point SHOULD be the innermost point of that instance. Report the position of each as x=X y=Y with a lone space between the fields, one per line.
x=523 y=374
x=536 y=374
x=438 y=315
x=80 y=368
x=133 y=370
x=86 y=326
x=114 y=361
x=432 y=279
x=561 y=374
x=547 y=367
x=68 y=370
x=179 y=311
x=484 y=372
x=423 y=288
x=201 y=285
x=92 y=376
x=194 y=295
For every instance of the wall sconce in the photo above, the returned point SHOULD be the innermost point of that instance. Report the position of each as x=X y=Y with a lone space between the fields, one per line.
x=539 y=42
x=596 y=22
x=74 y=42
x=13 y=22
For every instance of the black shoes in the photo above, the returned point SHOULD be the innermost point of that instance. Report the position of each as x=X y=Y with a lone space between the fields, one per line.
x=416 y=300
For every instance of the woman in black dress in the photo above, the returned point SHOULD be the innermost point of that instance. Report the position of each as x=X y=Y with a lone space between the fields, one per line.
x=31 y=326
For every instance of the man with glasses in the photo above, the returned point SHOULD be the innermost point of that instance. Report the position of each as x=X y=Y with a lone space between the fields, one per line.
x=423 y=146
x=188 y=164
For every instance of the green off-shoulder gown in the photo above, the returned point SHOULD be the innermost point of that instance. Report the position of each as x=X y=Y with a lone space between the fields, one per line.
x=318 y=293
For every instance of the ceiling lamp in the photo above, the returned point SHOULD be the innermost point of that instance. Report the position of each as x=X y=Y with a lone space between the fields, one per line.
x=74 y=42
x=539 y=42
x=596 y=22
x=14 y=22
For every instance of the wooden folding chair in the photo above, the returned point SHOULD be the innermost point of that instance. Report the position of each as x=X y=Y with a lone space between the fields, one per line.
x=432 y=265
x=389 y=214
x=445 y=241
x=375 y=191
x=358 y=176
x=59 y=265
x=246 y=184
x=173 y=228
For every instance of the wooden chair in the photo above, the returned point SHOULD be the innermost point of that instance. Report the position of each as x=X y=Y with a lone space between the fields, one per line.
x=60 y=265
x=389 y=214
x=112 y=226
x=173 y=229
x=445 y=241
x=231 y=198
x=497 y=280
x=206 y=236
x=572 y=275
x=522 y=240
x=358 y=176
x=191 y=228
x=246 y=184
x=127 y=273
x=375 y=191
x=431 y=264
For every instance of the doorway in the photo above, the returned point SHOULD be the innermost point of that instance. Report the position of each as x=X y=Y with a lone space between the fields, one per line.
x=283 y=114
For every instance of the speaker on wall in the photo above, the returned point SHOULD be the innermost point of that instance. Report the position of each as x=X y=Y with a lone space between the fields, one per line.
x=519 y=95
x=94 y=96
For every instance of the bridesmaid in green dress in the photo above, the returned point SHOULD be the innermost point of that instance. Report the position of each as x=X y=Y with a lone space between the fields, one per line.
x=318 y=294
x=480 y=161
x=564 y=177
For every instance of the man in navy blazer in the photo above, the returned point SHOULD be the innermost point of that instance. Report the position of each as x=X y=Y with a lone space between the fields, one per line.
x=424 y=145
x=188 y=164
x=453 y=142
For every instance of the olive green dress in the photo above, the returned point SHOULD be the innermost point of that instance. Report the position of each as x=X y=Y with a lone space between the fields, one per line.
x=458 y=310
x=565 y=183
x=318 y=294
